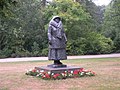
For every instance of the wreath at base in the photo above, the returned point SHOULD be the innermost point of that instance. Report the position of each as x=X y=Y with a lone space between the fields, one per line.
x=48 y=75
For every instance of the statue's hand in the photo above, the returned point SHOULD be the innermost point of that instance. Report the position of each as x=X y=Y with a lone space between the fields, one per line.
x=50 y=42
x=65 y=42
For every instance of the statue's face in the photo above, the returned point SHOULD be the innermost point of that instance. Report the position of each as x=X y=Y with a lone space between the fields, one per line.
x=57 y=20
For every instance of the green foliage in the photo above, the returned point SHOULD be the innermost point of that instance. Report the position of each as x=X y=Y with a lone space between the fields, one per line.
x=35 y=49
x=72 y=14
x=97 y=44
x=76 y=46
x=23 y=27
x=112 y=23
x=4 y=7
x=93 y=44
x=96 y=12
x=20 y=32
x=5 y=53
x=44 y=52
x=80 y=28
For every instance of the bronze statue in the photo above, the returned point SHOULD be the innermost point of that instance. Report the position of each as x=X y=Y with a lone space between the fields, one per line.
x=57 y=41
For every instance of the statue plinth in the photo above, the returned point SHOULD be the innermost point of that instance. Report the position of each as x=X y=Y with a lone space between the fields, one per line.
x=56 y=65
x=57 y=70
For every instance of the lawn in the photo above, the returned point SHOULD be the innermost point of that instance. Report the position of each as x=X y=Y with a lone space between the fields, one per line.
x=12 y=76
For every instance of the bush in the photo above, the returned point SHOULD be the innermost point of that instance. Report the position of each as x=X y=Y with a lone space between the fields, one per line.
x=44 y=52
x=76 y=47
x=93 y=43
x=5 y=53
x=98 y=44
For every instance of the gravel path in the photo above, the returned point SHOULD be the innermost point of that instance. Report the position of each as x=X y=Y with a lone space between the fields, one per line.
x=69 y=57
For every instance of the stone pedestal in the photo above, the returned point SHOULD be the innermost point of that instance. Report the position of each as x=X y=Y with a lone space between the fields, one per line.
x=56 y=66
x=58 y=70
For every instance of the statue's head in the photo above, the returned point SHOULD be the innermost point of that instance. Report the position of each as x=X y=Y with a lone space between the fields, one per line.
x=56 y=19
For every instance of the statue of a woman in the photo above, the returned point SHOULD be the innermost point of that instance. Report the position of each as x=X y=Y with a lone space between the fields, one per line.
x=57 y=41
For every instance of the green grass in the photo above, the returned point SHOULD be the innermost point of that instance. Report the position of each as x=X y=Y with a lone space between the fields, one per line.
x=12 y=76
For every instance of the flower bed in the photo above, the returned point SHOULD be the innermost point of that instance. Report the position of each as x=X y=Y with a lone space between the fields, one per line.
x=66 y=74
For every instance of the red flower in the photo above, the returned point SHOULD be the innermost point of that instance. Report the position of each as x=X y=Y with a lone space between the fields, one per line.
x=56 y=75
x=75 y=72
x=69 y=71
x=81 y=69
x=43 y=76
x=93 y=73
x=34 y=70
x=47 y=75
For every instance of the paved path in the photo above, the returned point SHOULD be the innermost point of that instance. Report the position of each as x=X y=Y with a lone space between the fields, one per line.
x=69 y=57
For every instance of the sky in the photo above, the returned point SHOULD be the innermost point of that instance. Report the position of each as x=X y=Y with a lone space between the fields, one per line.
x=102 y=2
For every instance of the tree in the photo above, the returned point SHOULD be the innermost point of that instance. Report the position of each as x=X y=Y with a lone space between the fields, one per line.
x=79 y=27
x=112 y=23
x=96 y=12
x=4 y=7
x=5 y=15
x=75 y=20
x=20 y=31
x=23 y=27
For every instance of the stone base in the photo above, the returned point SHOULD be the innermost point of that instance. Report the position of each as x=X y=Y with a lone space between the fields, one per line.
x=56 y=66
x=57 y=70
